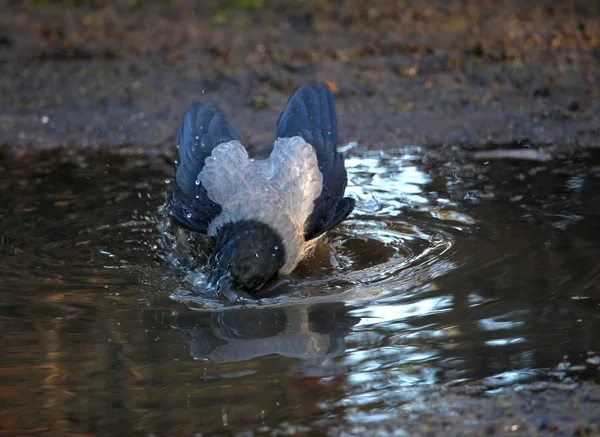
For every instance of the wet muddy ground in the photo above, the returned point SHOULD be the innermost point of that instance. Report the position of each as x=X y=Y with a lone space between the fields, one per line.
x=430 y=73
x=457 y=79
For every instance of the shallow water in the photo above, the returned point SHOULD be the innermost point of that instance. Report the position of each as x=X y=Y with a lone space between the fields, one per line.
x=447 y=273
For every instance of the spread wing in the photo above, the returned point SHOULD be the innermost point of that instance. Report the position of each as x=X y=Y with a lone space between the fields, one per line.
x=310 y=114
x=204 y=127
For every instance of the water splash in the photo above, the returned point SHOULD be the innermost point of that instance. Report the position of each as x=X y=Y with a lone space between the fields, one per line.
x=395 y=239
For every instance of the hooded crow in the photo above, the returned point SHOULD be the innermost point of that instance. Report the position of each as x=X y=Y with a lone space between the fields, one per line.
x=263 y=216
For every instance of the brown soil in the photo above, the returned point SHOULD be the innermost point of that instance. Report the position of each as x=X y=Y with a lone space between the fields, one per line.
x=472 y=73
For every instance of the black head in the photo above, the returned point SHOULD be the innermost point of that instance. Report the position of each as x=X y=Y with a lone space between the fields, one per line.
x=246 y=255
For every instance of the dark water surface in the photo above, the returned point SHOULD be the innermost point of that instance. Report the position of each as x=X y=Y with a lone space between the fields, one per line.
x=446 y=273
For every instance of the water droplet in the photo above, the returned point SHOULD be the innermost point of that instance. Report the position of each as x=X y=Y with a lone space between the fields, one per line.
x=45 y=119
x=197 y=137
x=276 y=247
x=189 y=215
x=197 y=181
x=167 y=180
x=197 y=196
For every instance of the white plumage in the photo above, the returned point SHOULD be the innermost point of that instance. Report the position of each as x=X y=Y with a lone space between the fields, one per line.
x=279 y=191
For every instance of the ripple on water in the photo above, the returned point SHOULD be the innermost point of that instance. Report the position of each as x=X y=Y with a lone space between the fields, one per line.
x=396 y=238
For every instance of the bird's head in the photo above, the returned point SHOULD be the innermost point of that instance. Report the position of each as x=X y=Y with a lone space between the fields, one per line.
x=246 y=255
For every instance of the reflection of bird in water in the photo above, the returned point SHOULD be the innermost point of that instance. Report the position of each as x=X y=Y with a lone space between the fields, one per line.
x=308 y=332
x=264 y=216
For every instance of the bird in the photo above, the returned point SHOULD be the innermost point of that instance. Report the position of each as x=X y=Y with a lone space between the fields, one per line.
x=263 y=216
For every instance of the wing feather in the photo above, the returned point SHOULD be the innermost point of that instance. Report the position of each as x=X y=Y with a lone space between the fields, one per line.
x=204 y=127
x=310 y=114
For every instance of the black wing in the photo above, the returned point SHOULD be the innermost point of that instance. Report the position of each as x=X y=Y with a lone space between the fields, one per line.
x=203 y=128
x=310 y=114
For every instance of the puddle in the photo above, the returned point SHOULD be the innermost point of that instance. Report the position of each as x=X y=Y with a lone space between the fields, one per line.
x=476 y=273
